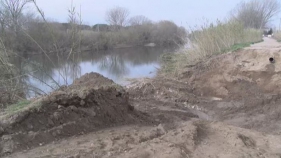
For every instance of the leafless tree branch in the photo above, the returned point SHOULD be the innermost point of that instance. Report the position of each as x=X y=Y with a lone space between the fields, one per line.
x=117 y=16
x=256 y=13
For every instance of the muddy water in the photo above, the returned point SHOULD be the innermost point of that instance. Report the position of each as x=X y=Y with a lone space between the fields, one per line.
x=118 y=65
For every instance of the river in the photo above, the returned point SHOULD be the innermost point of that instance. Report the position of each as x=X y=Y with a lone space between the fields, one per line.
x=45 y=73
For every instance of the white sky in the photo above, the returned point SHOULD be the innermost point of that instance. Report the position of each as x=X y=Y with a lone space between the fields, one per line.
x=183 y=12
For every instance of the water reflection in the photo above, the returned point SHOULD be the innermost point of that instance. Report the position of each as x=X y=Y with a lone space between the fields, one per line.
x=115 y=65
x=46 y=73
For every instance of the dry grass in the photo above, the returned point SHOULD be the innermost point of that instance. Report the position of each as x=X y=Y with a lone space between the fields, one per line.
x=9 y=83
x=208 y=41
x=277 y=36
x=211 y=40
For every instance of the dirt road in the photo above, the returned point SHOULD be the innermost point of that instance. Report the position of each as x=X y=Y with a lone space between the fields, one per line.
x=225 y=107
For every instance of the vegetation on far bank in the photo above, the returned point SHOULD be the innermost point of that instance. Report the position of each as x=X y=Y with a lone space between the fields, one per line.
x=24 y=31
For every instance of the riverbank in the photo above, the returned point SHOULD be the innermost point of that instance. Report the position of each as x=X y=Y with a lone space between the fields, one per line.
x=229 y=101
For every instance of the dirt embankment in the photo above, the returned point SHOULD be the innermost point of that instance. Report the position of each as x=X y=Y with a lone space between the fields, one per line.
x=247 y=83
x=240 y=88
x=194 y=113
x=91 y=103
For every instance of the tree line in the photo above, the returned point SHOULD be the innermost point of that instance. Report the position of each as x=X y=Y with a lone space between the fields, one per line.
x=24 y=31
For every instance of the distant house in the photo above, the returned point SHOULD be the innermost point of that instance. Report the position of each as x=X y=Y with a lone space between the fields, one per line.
x=67 y=26
x=85 y=27
x=101 y=27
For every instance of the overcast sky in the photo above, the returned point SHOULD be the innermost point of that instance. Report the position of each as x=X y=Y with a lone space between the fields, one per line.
x=183 y=12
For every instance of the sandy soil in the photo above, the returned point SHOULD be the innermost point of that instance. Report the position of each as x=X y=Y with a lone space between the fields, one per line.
x=225 y=107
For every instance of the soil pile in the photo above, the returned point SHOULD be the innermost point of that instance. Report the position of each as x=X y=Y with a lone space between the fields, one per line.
x=91 y=103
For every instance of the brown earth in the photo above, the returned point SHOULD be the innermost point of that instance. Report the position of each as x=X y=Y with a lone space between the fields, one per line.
x=225 y=107
x=87 y=105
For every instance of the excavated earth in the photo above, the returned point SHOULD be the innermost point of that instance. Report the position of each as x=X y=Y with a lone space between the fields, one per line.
x=227 y=106
x=91 y=103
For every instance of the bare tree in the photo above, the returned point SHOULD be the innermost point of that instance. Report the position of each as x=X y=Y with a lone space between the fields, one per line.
x=117 y=16
x=14 y=9
x=3 y=19
x=256 y=13
x=139 y=20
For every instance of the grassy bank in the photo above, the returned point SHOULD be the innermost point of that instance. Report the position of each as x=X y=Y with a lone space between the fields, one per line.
x=211 y=40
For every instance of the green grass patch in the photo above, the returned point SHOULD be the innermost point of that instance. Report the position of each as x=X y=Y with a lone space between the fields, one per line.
x=168 y=61
x=236 y=47
x=18 y=106
x=239 y=46
x=24 y=105
x=172 y=62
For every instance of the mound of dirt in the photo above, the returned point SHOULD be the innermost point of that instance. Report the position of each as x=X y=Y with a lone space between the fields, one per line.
x=90 y=103
x=93 y=80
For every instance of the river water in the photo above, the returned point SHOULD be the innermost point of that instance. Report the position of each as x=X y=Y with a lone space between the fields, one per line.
x=45 y=73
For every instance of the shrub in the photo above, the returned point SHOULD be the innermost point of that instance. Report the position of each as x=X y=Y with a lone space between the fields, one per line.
x=9 y=84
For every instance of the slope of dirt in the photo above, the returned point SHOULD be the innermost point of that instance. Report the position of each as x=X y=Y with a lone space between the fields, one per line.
x=226 y=75
x=238 y=89
x=91 y=103
x=248 y=83
x=198 y=139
